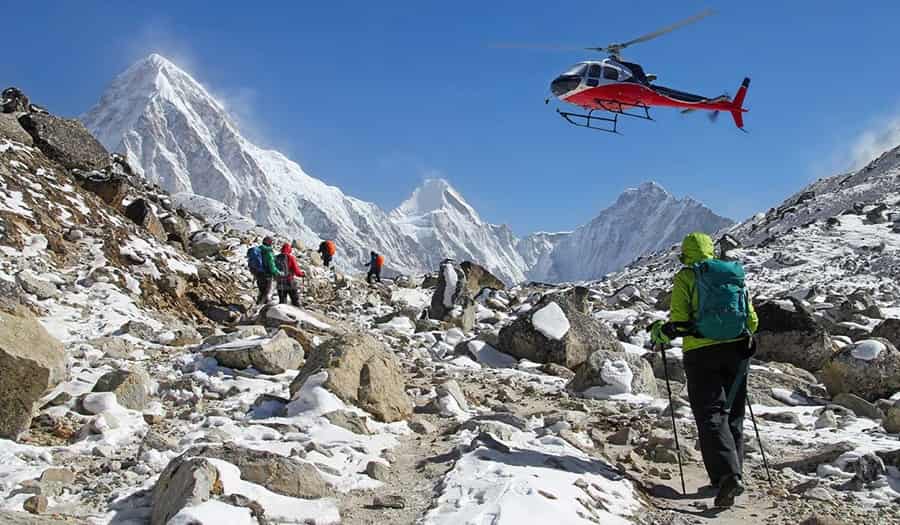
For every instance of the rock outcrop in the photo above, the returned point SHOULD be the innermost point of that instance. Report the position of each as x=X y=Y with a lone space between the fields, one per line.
x=361 y=371
x=869 y=369
x=31 y=362
x=789 y=333
x=66 y=141
x=610 y=373
x=272 y=355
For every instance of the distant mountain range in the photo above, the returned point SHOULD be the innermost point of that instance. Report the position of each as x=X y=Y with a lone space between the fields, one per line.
x=176 y=134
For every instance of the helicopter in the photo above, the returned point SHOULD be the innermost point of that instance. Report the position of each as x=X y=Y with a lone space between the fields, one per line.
x=613 y=87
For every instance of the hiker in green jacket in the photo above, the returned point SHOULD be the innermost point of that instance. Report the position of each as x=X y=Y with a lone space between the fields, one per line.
x=716 y=365
x=269 y=270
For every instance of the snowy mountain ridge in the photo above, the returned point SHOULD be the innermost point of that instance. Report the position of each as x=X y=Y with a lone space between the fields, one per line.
x=176 y=134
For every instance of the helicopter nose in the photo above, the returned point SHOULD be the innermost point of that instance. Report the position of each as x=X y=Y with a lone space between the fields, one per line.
x=563 y=84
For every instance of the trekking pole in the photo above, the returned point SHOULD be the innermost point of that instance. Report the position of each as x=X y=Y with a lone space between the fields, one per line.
x=672 y=411
x=762 y=450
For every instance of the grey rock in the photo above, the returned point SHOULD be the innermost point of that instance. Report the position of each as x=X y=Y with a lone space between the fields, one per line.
x=13 y=100
x=378 y=470
x=23 y=518
x=888 y=329
x=823 y=455
x=205 y=244
x=66 y=141
x=184 y=482
x=869 y=379
x=891 y=421
x=593 y=377
x=10 y=129
x=31 y=362
x=141 y=213
x=176 y=229
x=138 y=330
x=111 y=190
x=348 y=421
x=792 y=335
x=675 y=366
x=858 y=405
x=268 y=355
x=36 y=504
x=585 y=336
x=240 y=332
x=280 y=474
x=451 y=388
x=422 y=426
x=131 y=387
x=454 y=305
x=389 y=501
x=362 y=371
x=826 y=420
x=40 y=288
x=173 y=285
x=478 y=278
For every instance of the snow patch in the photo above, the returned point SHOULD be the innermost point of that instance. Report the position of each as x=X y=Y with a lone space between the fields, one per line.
x=551 y=321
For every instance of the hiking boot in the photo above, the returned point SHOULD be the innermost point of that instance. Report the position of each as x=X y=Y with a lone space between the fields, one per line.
x=730 y=488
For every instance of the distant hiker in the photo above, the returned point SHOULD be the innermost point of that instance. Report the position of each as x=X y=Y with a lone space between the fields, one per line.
x=375 y=264
x=287 y=265
x=262 y=263
x=711 y=309
x=326 y=250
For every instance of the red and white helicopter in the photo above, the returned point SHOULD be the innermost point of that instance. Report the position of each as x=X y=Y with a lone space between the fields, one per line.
x=616 y=87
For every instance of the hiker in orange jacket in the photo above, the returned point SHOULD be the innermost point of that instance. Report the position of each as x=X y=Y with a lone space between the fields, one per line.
x=375 y=264
x=327 y=250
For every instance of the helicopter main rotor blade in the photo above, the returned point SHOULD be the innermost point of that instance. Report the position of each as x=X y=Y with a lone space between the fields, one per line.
x=669 y=29
x=540 y=47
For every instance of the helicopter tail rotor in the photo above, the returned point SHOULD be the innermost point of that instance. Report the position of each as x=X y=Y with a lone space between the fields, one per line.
x=738 y=104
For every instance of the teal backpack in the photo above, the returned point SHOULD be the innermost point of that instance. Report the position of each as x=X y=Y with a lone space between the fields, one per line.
x=723 y=300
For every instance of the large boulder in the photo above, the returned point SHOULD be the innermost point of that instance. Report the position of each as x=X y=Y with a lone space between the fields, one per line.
x=608 y=373
x=789 y=333
x=888 y=329
x=131 y=387
x=10 y=129
x=478 y=278
x=184 y=482
x=40 y=288
x=205 y=244
x=555 y=330
x=111 y=190
x=141 y=213
x=362 y=371
x=268 y=355
x=280 y=474
x=31 y=362
x=66 y=141
x=452 y=301
x=869 y=369
x=176 y=229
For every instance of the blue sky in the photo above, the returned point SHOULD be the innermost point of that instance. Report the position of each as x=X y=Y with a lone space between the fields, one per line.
x=376 y=96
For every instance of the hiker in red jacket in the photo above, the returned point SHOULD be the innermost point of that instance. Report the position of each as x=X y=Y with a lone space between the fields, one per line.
x=289 y=268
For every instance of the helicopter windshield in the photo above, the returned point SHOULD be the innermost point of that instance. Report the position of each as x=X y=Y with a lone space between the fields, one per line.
x=576 y=71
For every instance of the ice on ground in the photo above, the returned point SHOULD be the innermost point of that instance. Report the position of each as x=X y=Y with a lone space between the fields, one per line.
x=415 y=297
x=213 y=511
x=867 y=350
x=291 y=314
x=313 y=399
x=399 y=325
x=551 y=321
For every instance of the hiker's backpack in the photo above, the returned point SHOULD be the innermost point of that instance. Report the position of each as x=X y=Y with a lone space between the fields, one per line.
x=723 y=300
x=379 y=261
x=255 y=260
x=281 y=264
x=329 y=248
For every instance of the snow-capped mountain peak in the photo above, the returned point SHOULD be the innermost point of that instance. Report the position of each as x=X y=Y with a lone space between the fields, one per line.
x=435 y=195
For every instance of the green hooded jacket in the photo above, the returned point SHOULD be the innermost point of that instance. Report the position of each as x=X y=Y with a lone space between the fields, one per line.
x=696 y=247
x=268 y=257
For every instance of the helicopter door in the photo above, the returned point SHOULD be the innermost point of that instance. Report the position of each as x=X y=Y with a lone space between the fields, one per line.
x=594 y=75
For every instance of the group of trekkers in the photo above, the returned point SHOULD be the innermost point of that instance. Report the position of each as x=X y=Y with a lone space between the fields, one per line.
x=267 y=267
x=710 y=310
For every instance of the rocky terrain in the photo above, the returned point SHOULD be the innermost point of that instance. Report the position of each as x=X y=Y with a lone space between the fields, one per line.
x=140 y=384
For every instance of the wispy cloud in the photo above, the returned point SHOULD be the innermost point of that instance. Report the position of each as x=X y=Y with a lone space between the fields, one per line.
x=882 y=136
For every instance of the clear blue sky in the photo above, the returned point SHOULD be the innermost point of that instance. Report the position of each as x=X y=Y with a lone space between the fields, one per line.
x=374 y=96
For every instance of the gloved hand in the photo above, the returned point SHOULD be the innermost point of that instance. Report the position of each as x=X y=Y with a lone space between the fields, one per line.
x=658 y=333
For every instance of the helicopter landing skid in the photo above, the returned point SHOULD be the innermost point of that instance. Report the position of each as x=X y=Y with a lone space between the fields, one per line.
x=610 y=106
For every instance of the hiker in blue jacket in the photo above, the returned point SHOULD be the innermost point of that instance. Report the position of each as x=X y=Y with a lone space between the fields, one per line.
x=717 y=347
x=261 y=263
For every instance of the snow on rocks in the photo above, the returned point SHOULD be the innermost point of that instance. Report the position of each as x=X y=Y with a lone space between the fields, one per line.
x=869 y=369
x=607 y=374
x=269 y=355
x=551 y=321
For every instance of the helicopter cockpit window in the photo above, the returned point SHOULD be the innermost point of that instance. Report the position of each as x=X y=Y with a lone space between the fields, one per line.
x=576 y=71
x=594 y=71
x=610 y=73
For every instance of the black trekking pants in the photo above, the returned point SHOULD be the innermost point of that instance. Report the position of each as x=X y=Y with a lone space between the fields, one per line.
x=292 y=292
x=715 y=375
x=326 y=259
x=374 y=272
x=264 y=284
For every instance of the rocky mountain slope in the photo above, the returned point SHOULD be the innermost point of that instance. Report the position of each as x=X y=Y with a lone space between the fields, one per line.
x=642 y=220
x=139 y=384
x=174 y=133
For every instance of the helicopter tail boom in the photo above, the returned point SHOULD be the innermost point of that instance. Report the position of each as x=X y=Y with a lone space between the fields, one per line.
x=737 y=111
